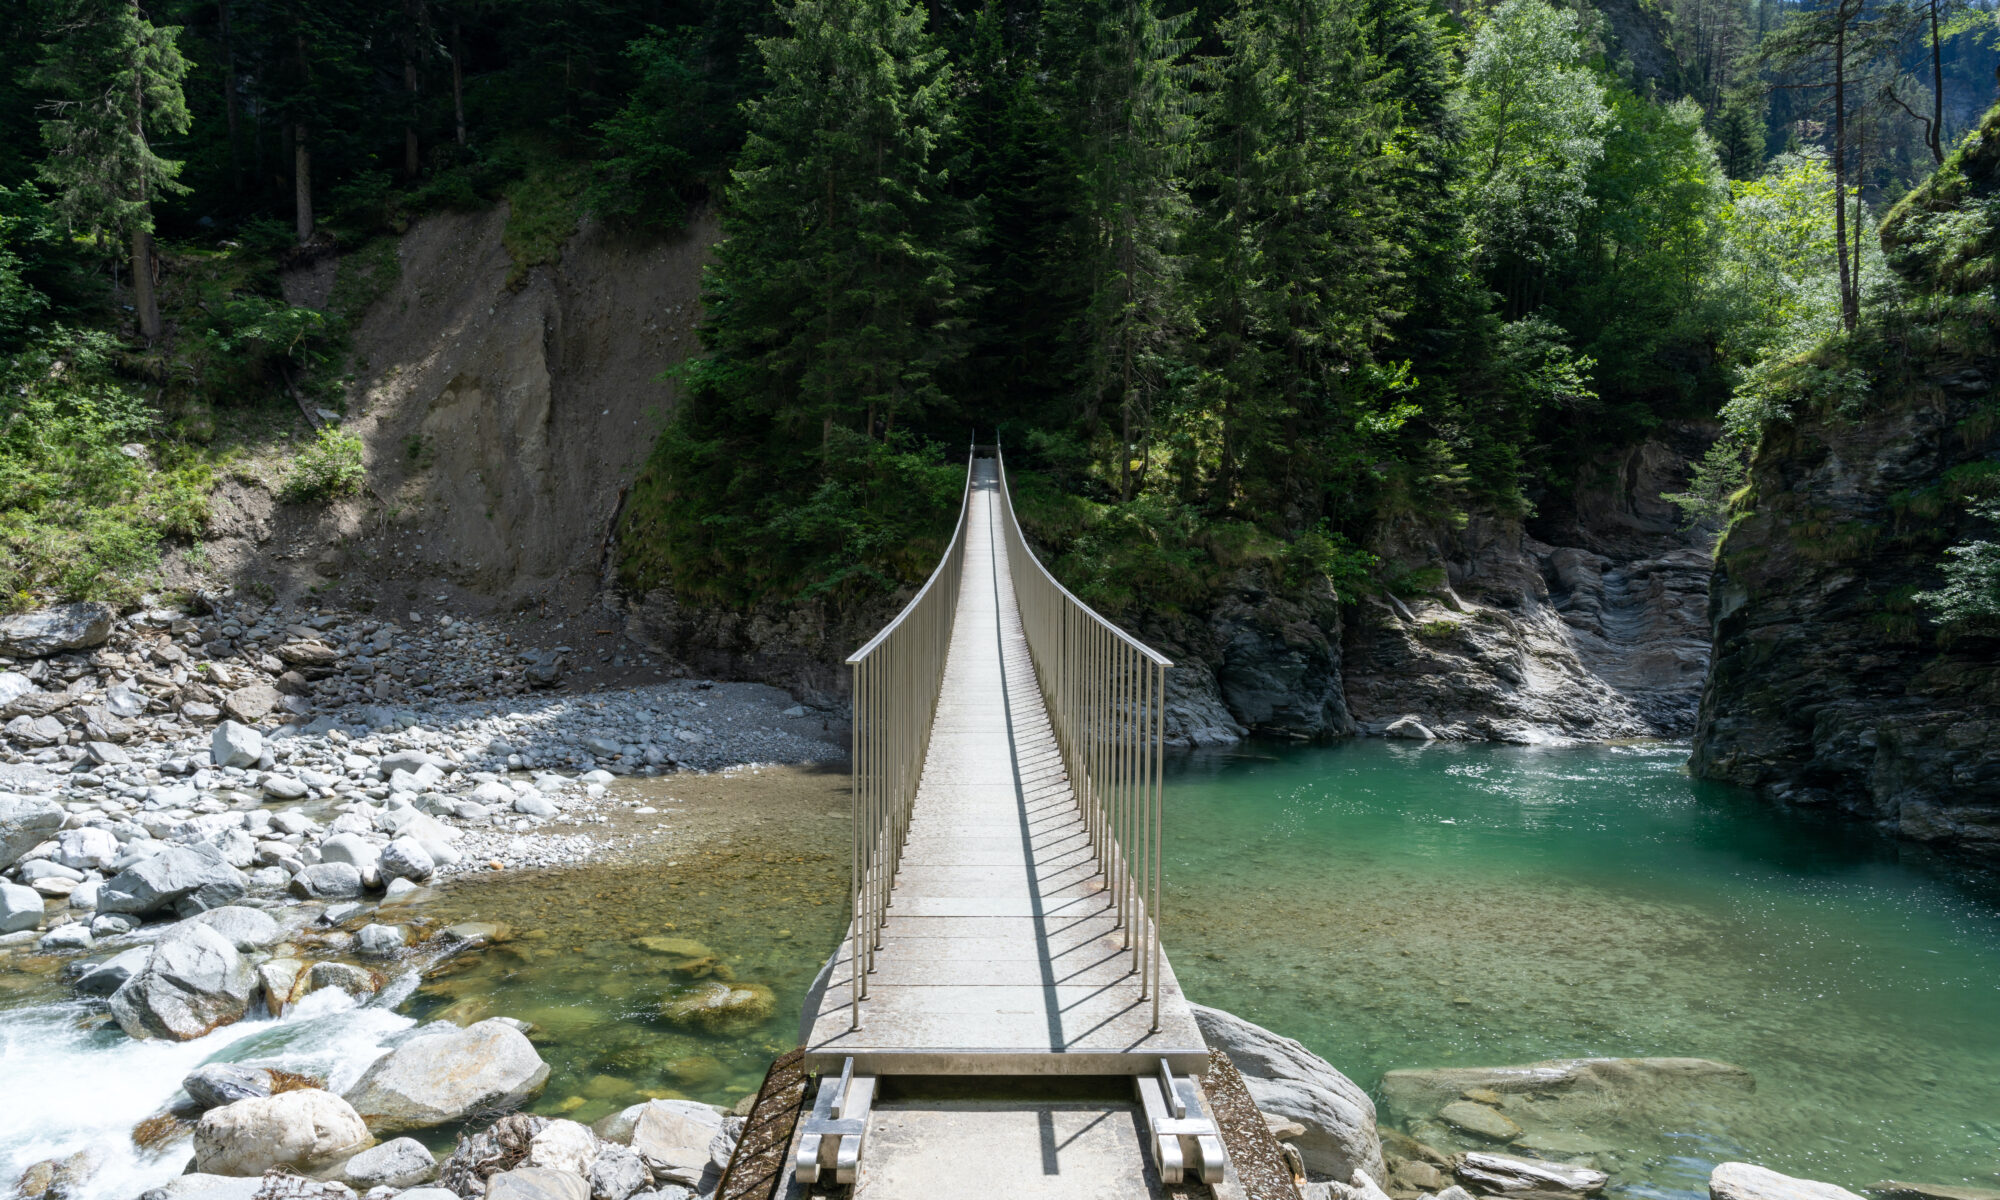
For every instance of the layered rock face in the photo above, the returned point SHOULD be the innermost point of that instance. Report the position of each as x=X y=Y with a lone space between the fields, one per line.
x=1586 y=624
x=1832 y=687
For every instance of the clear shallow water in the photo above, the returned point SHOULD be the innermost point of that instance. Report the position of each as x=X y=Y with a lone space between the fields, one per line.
x=1395 y=905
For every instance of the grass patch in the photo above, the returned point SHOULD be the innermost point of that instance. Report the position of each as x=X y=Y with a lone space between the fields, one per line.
x=543 y=208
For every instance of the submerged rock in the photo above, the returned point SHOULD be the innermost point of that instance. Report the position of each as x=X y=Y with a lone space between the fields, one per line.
x=448 y=1075
x=721 y=1008
x=1478 y=1119
x=304 y=1128
x=1747 y=1181
x=1287 y=1080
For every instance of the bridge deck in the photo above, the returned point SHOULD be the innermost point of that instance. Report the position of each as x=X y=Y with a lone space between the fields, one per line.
x=1000 y=954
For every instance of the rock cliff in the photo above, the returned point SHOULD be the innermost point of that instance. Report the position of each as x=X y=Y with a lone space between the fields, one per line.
x=1585 y=624
x=1832 y=687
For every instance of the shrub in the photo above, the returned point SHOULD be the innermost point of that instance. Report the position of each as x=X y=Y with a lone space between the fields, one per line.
x=328 y=469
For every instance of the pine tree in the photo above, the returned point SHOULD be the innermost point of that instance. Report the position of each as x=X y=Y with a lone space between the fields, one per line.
x=115 y=82
x=836 y=292
x=1301 y=281
x=1133 y=127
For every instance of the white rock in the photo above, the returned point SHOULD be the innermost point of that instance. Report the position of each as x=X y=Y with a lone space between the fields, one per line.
x=1747 y=1181
x=298 y=1129
x=90 y=848
x=20 y=908
x=1287 y=1080
x=563 y=1146
x=73 y=936
x=537 y=1183
x=449 y=1075
x=406 y=858
x=376 y=940
x=235 y=745
x=673 y=1139
x=616 y=1173
x=400 y=1163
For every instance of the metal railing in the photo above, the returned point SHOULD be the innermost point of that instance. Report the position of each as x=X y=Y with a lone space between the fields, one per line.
x=1106 y=696
x=897 y=678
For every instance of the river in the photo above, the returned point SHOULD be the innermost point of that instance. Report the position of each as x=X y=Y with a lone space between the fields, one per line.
x=1391 y=905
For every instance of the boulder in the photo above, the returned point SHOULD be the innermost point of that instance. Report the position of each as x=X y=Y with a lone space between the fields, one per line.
x=283 y=787
x=428 y=1193
x=357 y=851
x=376 y=940
x=236 y=745
x=213 y=1085
x=250 y=704
x=448 y=1075
x=563 y=1146
x=63 y=938
x=1747 y=1181
x=14 y=685
x=344 y=976
x=276 y=978
x=1409 y=728
x=301 y=1129
x=673 y=1137
x=1287 y=1080
x=246 y=928
x=25 y=823
x=89 y=848
x=616 y=1173
x=719 y=1008
x=200 y=1186
x=1528 y=1178
x=194 y=982
x=192 y=878
x=537 y=1183
x=398 y=1164
x=20 y=908
x=58 y=1178
x=54 y=630
x=328 y=881
x=110 y=975
x=406 y=858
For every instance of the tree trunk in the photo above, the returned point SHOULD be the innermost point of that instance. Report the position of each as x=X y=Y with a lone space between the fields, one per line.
x=1935 y=134
x=1849 y=313
x=143 y=300
x=302 y=181
x=229 y=106
x=412 y=145
x=457 y=82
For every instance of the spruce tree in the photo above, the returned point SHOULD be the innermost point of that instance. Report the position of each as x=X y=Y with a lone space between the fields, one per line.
x=834 y=298
x=114 y=82
x=1133 y=126
x=1301 y=282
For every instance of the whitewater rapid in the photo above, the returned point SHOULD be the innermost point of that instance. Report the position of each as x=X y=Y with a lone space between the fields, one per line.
x=71 y=1082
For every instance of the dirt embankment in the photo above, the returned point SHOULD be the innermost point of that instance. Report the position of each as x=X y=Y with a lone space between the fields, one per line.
x=501 y=425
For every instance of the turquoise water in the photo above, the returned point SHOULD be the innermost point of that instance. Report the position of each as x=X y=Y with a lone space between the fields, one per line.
x=1395 y=905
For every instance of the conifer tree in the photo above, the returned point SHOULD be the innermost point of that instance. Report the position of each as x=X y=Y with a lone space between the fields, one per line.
x=835 y=295
x=1129 y=101
x=1300 y=280
x=114 y=82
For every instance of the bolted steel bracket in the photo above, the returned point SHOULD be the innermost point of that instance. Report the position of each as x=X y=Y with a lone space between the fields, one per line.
x=836 y=1128
x=1180 y=1136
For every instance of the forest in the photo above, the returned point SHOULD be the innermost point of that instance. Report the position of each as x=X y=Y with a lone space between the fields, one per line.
x=1234 y=283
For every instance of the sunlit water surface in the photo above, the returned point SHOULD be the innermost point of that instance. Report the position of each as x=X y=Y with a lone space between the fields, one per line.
x=1401 y=905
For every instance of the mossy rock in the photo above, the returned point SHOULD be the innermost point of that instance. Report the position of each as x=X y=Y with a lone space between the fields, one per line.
x=724 y=1009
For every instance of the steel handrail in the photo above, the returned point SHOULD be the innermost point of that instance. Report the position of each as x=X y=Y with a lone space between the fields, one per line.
x=897 y=678
x=1105 y=692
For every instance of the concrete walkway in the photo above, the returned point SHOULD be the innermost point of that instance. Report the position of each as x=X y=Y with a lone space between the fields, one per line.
x=1001 y=953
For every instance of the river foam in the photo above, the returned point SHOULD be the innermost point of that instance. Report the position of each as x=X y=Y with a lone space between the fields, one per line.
x=75 y=1083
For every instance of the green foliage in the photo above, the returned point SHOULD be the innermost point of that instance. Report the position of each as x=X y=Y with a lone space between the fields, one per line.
x=543 y=207
x=1971 y=590
x=651 y=153
x=328 y=469
x=1714 y=481
x=1534 y=121
x=80 y=517
x=116 y=79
